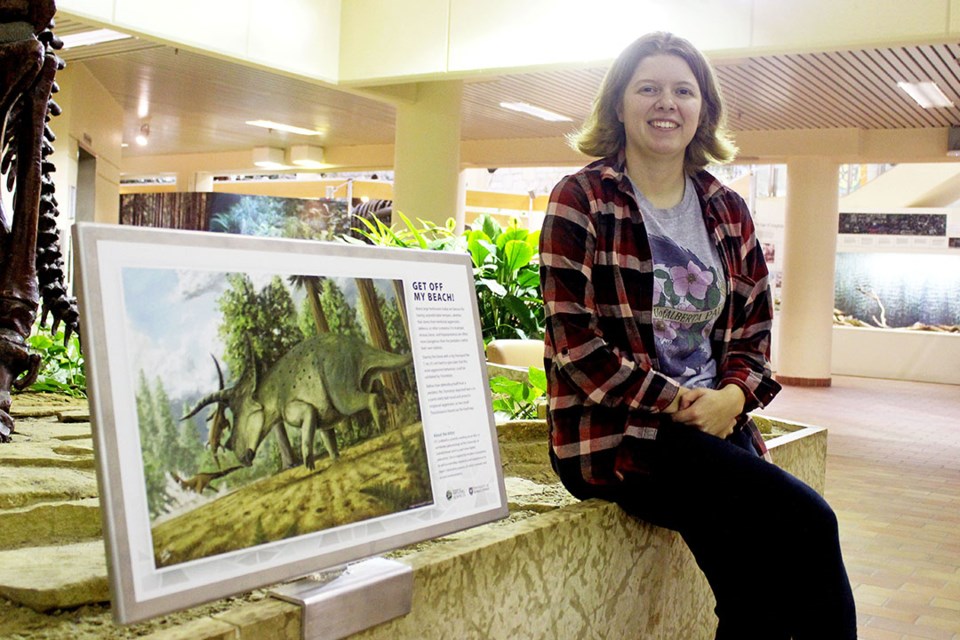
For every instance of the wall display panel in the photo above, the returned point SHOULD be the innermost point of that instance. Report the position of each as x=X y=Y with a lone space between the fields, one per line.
x=897 y=290
x=267 y=408
x=894 y=224
x=272 y=216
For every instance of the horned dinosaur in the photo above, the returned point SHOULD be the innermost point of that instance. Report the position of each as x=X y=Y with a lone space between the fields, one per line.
x=218 y=419
x=31 y=265
x=313 y=387
x=219 y=423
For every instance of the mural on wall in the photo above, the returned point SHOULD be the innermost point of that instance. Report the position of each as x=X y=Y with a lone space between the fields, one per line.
x=898 y=290
x=308 y=218
x=894 y=224
x=312 y=219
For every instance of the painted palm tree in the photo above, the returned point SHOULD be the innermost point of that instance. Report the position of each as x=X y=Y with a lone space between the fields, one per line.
x=311 y=285
x=370 y=304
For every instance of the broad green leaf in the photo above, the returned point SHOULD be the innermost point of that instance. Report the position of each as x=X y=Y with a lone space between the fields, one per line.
x=502 y=384
x=512 y=233
x=490 y=226
x=533 y=239
x=538 y=378
x=522 y=312
x=529 y=279
x=480 y=247
x=495 y=287
x=516 y=254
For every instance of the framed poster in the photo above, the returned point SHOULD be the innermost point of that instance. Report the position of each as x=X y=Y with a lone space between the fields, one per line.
x=268 y=408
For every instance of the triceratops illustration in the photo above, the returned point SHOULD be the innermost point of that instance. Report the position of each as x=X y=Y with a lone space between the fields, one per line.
x=312 y=387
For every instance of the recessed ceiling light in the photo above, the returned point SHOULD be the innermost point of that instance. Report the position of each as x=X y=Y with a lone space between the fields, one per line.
x=144 y=136
x=97 y=36
x=538 y=112
x=926 y=94
x=269 y=124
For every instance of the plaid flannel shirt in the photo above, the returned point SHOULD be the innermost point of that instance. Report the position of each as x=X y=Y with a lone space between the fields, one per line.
x=606 y=395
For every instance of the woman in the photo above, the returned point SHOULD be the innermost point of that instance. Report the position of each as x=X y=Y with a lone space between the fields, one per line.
x=658 y=334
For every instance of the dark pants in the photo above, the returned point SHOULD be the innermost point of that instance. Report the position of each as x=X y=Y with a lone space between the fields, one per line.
x=767 y=542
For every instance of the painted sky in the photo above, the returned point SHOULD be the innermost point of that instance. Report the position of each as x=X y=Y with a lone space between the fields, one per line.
x=172 y=321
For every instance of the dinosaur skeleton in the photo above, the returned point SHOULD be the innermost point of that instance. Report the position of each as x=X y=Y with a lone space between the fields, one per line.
x=31 y=265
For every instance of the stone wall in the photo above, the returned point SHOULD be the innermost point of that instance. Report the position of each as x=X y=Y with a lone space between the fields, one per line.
x=585 y=570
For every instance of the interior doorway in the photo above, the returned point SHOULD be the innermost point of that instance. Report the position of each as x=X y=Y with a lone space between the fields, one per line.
x=86 y=186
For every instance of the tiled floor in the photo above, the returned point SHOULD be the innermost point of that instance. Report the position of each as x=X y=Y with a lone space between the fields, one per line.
x=893 y=477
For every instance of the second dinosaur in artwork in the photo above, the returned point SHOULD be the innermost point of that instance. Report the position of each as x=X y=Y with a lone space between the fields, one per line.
x=313 y=387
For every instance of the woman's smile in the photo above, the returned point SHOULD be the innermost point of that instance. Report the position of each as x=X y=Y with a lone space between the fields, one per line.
x=660 y=109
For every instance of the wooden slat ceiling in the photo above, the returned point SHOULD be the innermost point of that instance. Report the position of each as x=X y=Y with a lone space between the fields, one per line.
x=829 y=90
x=66 y=26
x=841 y=89
x=200 y=104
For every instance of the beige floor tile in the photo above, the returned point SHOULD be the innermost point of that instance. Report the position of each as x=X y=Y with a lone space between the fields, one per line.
x=893 y=477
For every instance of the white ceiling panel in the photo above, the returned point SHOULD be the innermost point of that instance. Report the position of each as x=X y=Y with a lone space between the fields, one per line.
x=200 y=104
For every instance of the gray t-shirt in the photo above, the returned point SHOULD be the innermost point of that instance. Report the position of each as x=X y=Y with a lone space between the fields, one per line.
x=688 y=291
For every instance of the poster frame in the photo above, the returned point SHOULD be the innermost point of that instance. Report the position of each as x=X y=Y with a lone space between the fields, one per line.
x=101 y=252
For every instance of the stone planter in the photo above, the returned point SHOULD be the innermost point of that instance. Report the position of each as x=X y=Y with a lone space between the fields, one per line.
x=555 y=568
x=548 y=571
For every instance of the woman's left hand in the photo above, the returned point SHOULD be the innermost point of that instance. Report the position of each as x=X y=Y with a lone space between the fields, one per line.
x=713 y=411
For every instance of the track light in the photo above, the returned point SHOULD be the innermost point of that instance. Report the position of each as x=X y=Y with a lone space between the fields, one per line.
x=144 y=136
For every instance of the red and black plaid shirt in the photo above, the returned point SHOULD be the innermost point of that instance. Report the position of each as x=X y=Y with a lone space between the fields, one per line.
x=605 y=392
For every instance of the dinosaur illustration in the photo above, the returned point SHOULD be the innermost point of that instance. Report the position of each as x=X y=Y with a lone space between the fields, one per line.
x=200 y=481
x=218 y=419
x=31 y=265
x=313 y=387
x=216 y=468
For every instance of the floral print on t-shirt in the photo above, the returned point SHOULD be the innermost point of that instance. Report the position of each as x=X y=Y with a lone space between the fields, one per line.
x=687 y=299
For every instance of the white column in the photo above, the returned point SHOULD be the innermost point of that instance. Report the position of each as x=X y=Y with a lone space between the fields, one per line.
x=810 y=249
x=194 y=181
x=427 y=154
x=203 y=182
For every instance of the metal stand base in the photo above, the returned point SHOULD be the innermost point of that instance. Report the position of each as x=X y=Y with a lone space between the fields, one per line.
x=339 y=603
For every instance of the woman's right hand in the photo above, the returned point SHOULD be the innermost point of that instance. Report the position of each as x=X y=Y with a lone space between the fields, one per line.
x=712 y=411
x=676 y=405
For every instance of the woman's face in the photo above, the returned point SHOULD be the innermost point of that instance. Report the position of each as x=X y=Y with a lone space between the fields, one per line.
x=660 y=109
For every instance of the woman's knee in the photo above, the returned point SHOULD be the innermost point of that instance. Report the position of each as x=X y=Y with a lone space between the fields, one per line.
x=813 y=517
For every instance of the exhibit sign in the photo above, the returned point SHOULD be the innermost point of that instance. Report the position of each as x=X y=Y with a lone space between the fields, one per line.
x=267 y=408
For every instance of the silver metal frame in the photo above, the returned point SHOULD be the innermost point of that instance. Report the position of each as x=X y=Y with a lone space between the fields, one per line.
x=93 y=245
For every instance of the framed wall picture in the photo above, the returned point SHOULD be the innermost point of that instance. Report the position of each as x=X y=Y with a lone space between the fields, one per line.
x=268 y=408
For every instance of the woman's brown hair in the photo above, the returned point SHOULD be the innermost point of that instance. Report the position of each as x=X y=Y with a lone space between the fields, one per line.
x=602 y=133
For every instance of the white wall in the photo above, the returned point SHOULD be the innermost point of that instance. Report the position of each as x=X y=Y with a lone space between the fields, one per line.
x=295 y=36
x=90 y=118
x=896 y=355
